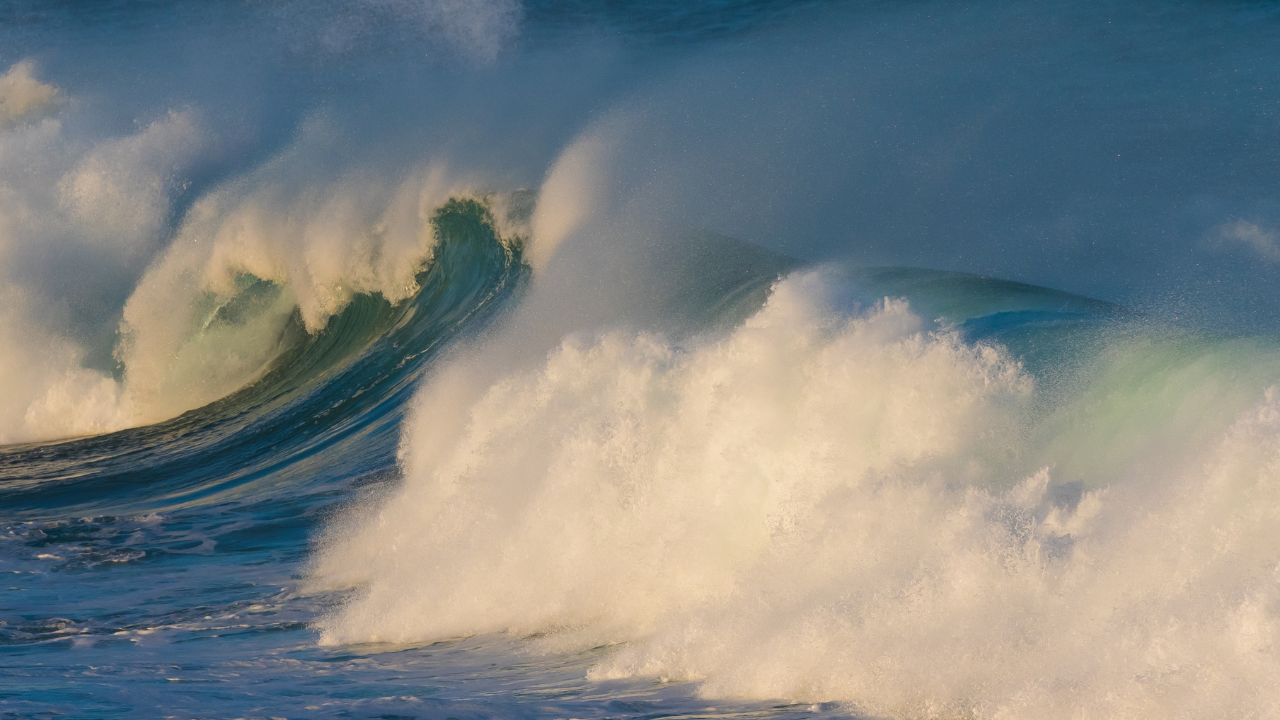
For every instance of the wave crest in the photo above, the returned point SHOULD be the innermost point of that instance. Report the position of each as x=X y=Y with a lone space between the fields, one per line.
x=629 y=478
x=832 y=506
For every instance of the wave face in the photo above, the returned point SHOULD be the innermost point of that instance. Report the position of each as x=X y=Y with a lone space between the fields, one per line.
x=415 y=358
x=342 y=386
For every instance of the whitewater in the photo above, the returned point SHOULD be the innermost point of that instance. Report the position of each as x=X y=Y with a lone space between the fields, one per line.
x=734 y=359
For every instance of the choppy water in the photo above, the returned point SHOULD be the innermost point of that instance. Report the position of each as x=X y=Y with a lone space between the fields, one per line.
x=392 y=358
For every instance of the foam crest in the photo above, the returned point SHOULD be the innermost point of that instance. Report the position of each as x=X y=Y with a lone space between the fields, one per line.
x=825 y=506
x=307 y=249
x=628 y=479
x=916 y=600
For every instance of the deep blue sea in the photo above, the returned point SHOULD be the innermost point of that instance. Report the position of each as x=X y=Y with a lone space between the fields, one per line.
x=593 y=359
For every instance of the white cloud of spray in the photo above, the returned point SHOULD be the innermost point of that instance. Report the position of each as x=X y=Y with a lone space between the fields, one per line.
x=828 y=506
x=77 y=214
x=658 y=475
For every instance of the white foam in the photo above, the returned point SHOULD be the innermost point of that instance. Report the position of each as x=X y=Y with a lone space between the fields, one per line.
x=823 y=506
x=626 y=479
x=917 y=600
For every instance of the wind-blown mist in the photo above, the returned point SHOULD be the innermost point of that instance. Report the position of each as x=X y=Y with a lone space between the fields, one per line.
x=572 y=359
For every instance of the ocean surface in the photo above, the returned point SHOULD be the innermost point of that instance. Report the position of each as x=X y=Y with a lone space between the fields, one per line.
x=654 y=359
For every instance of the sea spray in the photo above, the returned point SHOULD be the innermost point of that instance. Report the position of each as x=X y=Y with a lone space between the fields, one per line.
x=836 y=504
x=912 y=600
x=629 y=479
